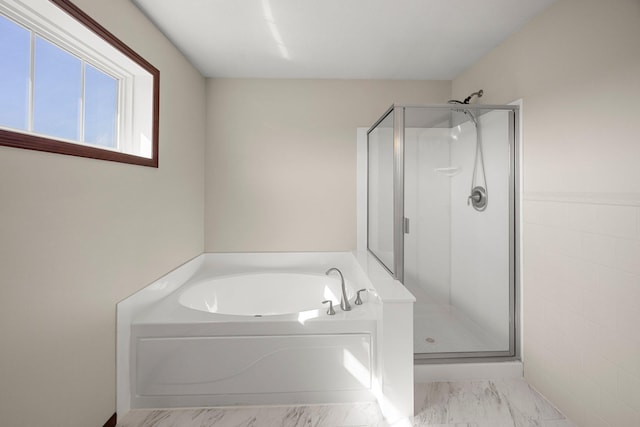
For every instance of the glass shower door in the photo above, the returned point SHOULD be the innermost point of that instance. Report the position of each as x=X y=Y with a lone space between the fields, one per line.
x=380 y=232
x=459 y=244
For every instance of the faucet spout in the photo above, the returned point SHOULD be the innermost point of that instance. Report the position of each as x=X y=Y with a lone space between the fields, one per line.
x=344 y=301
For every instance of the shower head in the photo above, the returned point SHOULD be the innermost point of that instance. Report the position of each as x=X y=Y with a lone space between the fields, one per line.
x=463 y=110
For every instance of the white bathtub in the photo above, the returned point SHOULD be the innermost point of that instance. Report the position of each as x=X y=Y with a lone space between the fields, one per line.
x=170 y=355
x=264 y=294
x=255 y=334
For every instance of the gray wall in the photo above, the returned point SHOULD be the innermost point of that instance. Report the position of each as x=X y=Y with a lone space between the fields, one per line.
x=577 y=69
x=78 y=235
x=281 y=156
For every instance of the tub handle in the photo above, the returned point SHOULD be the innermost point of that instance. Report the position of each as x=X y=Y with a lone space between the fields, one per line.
x=330 y=311
x=358 y=300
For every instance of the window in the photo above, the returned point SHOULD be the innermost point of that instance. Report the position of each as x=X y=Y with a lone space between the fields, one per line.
x=69 y=86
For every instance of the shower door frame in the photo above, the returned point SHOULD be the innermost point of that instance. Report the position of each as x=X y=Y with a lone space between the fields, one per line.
x=398 y=191
x=398 y=112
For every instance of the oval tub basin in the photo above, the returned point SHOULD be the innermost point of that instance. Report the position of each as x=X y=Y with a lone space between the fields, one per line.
x=264 y=294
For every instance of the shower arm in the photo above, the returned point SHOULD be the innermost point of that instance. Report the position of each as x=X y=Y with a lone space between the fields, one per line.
x=468 y=98
x=478 y=94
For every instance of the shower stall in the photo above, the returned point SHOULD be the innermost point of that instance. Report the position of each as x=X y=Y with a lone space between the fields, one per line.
x=441 y=208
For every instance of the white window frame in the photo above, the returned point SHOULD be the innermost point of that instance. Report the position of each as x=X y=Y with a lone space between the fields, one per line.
x=63 y=24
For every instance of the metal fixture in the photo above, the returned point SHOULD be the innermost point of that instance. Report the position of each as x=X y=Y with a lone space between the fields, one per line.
x=478 y=198
x=344 y=301
x=479 y=194
x=468 y=98
x=478 y=94
x=358 y=301
x=330 y=310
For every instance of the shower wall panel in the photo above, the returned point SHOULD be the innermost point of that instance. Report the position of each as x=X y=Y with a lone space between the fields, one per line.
x=427 y=205
x=480 y=240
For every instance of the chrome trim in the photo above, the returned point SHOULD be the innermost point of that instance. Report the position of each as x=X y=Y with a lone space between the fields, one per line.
x=330 y=310
x=516 y=241
x=398 y=193
x=466 y=358
x=384 y=116
x=380 y=120
x=344 y=301
x=478 y=198
x=512 y=233
x=460 y=106
x=460 y=355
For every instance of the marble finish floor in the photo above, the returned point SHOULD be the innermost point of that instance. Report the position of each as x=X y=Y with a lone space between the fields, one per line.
x=500 y=403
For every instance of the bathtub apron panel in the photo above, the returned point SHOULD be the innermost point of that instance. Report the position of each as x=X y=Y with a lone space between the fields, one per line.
x=233 y=370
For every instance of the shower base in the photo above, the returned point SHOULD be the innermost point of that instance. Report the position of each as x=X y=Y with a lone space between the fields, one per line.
x=441 y=328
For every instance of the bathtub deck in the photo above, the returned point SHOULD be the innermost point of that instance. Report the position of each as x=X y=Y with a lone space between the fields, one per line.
x=503 y=403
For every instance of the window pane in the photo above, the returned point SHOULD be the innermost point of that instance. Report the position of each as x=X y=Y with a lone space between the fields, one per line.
x=100 y=104
x=15 y=56
x=57 y=91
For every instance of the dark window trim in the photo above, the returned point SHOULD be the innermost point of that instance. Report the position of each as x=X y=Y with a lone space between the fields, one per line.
x=112 y=422
x=33 y=142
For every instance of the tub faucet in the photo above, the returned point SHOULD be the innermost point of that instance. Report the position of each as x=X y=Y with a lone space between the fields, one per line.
x=344 y=301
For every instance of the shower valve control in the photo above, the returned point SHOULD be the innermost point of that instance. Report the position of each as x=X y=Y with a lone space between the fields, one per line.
x=478 y=198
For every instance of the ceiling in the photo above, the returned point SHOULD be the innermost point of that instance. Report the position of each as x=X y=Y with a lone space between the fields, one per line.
x=338 y=39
